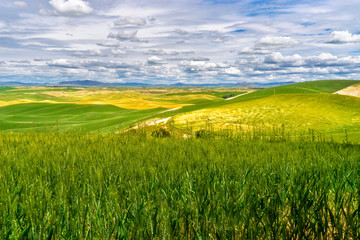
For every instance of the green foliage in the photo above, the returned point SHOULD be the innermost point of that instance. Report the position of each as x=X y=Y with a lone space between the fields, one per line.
x=219 y=186
x=161 y=132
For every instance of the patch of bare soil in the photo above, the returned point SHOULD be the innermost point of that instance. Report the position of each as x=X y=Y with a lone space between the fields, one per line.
x=353 y=90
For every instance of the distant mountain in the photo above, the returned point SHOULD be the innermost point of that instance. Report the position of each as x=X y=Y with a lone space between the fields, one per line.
x=81 y=83
x=91 y=83
x=14 y=83
x=88 y=83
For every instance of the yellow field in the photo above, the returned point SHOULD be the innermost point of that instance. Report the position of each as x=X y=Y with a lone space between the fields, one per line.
x=297 y=111
x=138 y=99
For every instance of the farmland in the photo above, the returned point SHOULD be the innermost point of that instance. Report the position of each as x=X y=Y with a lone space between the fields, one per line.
x=94 y=109
x=274 y=163
x=300 y=106
x=89 y=186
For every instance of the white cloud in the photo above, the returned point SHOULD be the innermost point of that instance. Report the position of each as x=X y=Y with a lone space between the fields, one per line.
x=199 y=44
x=63 y=63
x=201 y=59
x=162 y=52
x=276 y=42
x=219 y=40
x=108 y=43
x=341 y=37
x=71 y=7
x=20 y=4
x=91 y=64
x=232 y=71
x=180 y=31
x=135 y=21
x=154 y=60
x=321 y=59
x=278 y=58
x=318 y=64
x=118 y=52
x=251 y=51
x=123 y=35
x=89 y=53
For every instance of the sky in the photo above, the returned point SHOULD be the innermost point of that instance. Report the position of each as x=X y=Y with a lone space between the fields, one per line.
x=171 y=41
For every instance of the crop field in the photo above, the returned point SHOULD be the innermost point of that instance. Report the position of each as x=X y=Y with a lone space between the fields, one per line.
x=329 y=106
x=309 y=105
x=181 y=163
x=90 y=186
x=94 y=109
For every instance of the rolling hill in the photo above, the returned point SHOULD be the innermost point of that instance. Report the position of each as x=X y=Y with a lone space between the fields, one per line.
x=297 y=106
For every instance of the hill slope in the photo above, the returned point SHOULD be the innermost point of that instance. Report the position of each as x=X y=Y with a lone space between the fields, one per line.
x=299 y=105
x=48 y=116
x=328 y=113
x=321 y=86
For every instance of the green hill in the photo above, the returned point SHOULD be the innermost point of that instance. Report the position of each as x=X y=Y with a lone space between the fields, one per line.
x=321 y=86
x=48 y=116
x=300 y=106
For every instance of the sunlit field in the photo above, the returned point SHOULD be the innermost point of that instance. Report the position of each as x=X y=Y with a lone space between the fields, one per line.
x=195 y=163
x=230 y=186
x=95 y=109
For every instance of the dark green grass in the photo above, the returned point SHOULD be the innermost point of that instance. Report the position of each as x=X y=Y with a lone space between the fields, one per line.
x=35 y=94
x=89 y=186
x=5 y=88
x=54 y=117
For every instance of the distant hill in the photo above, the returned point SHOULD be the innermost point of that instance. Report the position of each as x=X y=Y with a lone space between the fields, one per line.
x=14 y=83
x=90 y=83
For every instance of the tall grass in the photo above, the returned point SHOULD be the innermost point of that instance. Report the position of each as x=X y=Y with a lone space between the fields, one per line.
x=229 y=186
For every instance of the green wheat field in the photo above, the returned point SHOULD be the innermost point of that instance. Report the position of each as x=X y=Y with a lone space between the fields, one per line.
x=181 y=163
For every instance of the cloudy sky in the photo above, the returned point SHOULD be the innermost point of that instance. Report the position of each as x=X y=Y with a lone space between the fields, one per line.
x=169 y=41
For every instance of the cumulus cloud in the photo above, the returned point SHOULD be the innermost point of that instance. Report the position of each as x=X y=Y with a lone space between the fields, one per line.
x=278 y=58
x=117 y=52
x=71 y=7
x=123 y=35
x=20 y=4
x=154 y=60
x=202 y=59
x=63 y=63
x=92 y=64
x=232 y=71
x=252 y=51
x=89 y=53
x=108 y=43
x=267 y=42
x=162 y=52
x=319 y=64
x=134 y=21
x=219 y=40
x=276 y=42
x=342 y=37
x=202 y=66
x=180 y=31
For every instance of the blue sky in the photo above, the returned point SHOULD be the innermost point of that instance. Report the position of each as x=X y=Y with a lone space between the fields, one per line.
x=189 y=41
